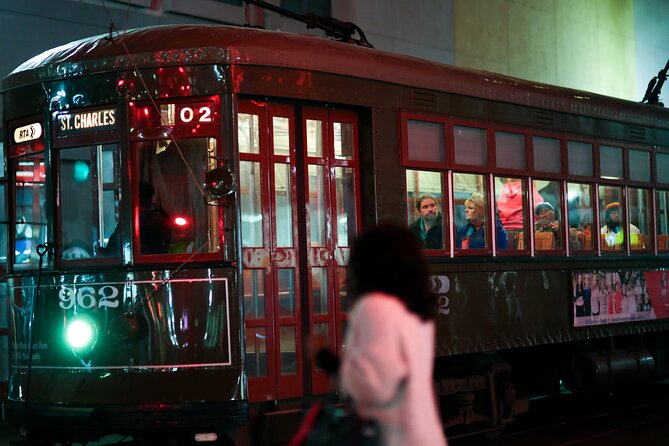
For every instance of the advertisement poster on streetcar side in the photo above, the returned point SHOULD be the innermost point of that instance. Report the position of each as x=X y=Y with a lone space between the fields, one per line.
x=609 y=297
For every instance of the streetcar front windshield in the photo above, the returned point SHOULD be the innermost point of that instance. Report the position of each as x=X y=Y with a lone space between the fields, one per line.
x=172 y=213
x=89 y=190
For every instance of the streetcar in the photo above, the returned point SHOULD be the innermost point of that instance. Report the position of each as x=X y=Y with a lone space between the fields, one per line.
x=183 y=200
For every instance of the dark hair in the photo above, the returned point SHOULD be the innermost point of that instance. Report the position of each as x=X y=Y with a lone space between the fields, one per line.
x=146 y=192
x=424 y=197
x=388 y=258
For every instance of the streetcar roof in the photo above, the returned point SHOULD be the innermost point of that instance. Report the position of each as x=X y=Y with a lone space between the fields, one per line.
x=205 y=44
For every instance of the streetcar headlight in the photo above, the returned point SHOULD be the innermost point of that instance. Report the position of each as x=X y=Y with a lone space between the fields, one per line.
x=82 y=334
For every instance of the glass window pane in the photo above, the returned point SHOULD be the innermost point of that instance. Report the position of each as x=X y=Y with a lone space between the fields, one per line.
x=88 y=203
x=29 y=201
x=3 y=168
x=470 y=212
x=662 y=167
x=344 y=140
x=284 y=206
x=250 y=204
x=580 y=158
x=321 y=330
x=547 y=156
x=314 y=138
x=319 y=290
x=611 y=162
x=612 y=218
x=286 y=284
x=343 y=290
x=639 y=165
x=254 y=293
x=317 y=206
x=662 y=215
x=580 y=213
x=470 y=146
x=510 y=150
x=3 y=224
x=248 y=136
x=256 y=352
x=281 y=135
x=288 y=349
x=510 y=207
x=638 y=202
x=190 y=225
x=425 y=207
x=346 y=210
x=426 y=141
x=547 y=222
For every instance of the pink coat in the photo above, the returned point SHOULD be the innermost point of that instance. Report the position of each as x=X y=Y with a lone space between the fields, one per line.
x=387 y=371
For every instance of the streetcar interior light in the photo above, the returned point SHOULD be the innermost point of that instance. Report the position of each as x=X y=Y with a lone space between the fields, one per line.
x=205 y=437
x=81 y=334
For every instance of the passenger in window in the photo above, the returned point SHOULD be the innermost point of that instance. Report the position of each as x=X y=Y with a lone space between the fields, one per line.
x=472 y=235
x=546 y=222
x=510 y=204
x=612 y=234
x=154 y=223
x=428 y=226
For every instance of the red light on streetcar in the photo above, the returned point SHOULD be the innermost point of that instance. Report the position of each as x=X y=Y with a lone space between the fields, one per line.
x=181 y=221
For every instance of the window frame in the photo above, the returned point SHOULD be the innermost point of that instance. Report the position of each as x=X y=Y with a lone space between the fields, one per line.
x=404 y=141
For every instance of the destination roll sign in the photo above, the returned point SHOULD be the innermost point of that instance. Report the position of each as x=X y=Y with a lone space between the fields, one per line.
x=88 y=121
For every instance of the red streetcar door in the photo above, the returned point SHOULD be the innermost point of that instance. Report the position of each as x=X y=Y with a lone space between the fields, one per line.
x=279 y=253
x=332 y=189
x=267 y=174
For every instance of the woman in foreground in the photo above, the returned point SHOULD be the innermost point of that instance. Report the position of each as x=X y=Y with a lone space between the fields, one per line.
x=388 y=355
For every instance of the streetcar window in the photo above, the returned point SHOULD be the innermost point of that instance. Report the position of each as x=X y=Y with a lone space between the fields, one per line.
x=470 y=144
x=580 y=158
x=256 y=352
x=286 y=287
x=662 y=215
x=639 y=165
x=662 y=167
x=288 y=349
x=89 y=201
x=470 y=213
x=314 y=137
x=611 y=162
x=319 y=290
x=546 y=154
x=250 y=204
x=547 y=221
x=248 y=136
x=253 y=283
x=511 y=209
x=346 y=205
x=30 y=224
x=510 y=150
x=425 y=210
x=3 y=167
x=280 y=134
x=580 y=215
x=612 y=219
x=344 y=144
x=639 y=214
x=317 y=210
x=172 y=215
x=283 y=203
x=3 y=223
x=426 y=141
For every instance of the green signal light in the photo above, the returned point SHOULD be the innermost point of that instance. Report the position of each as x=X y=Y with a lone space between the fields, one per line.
x=82 y=334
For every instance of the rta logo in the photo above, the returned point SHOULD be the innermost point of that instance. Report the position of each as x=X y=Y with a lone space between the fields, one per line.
x=440 y=285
